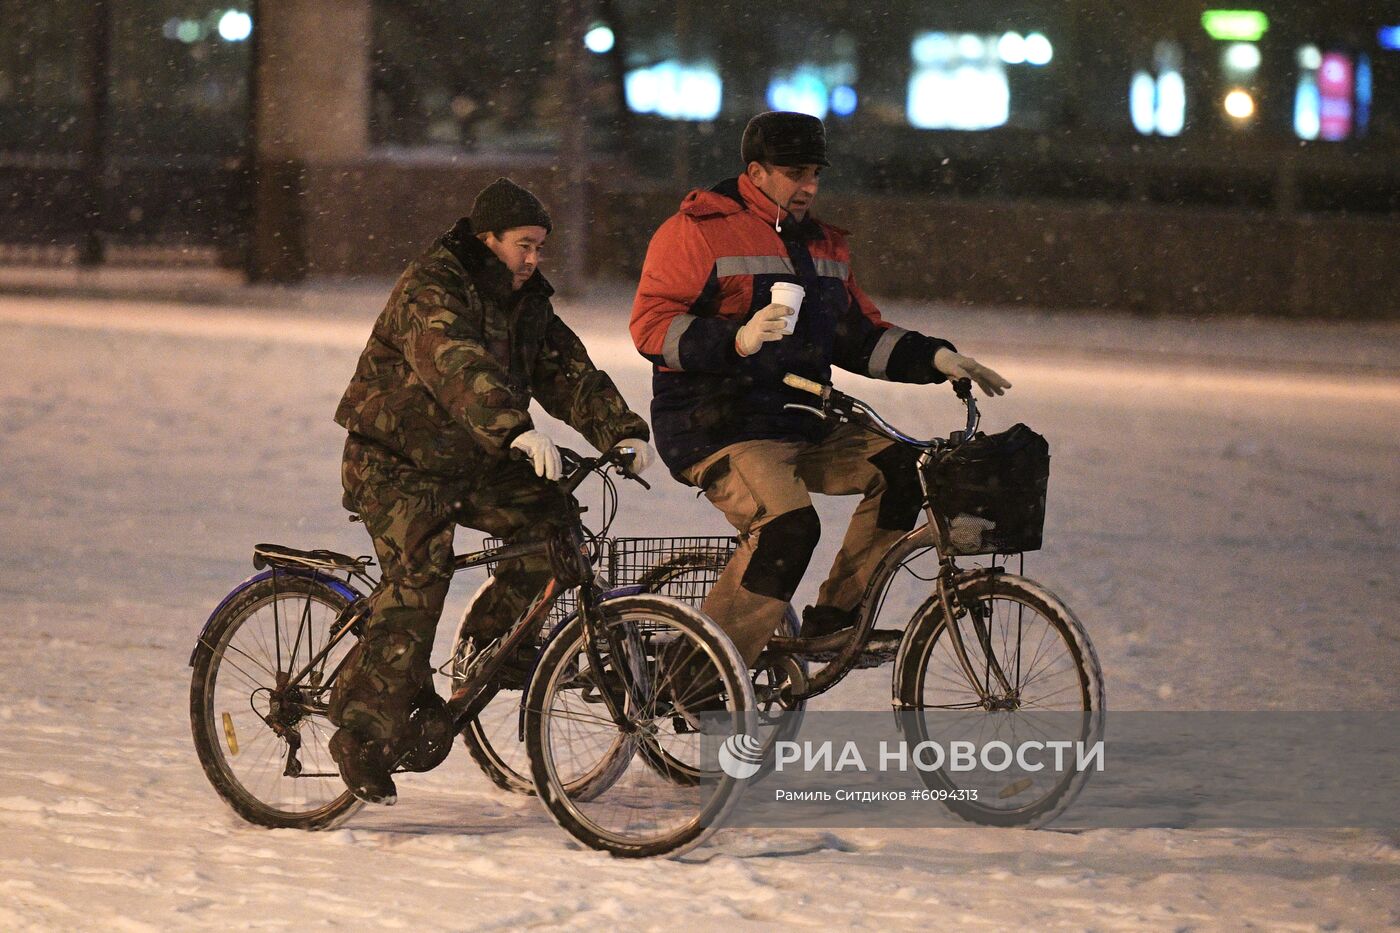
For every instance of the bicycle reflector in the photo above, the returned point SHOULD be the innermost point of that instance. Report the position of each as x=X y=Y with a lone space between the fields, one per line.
x=230 y=735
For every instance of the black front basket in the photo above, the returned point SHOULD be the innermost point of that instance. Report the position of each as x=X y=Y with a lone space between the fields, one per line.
x=992 y=491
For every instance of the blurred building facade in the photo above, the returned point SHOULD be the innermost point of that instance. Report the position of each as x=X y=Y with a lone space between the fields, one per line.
x=1165 y=157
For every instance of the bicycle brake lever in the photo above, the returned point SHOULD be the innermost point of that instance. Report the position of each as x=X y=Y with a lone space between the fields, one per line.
x=615 y=457
x=807 y=408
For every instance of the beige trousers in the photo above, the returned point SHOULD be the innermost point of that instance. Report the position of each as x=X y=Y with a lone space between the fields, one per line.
x=766 y=486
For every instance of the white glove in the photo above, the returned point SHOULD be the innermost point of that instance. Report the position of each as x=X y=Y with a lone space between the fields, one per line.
x=642 y=454
x=956 y=366
x=542 y=453
x=766 y=324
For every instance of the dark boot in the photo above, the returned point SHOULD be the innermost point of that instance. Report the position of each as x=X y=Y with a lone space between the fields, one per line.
x=688 y=682
x=516 y=667
x=818 y=621
x=515 y=670
x=365 y=766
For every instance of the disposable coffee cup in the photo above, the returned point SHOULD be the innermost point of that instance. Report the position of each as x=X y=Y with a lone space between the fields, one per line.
x=790 y=295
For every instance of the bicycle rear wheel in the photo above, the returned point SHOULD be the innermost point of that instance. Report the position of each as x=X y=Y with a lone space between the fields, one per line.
x=1050 y=689
x=261 y=741
x=779 y=717
x=608 y=797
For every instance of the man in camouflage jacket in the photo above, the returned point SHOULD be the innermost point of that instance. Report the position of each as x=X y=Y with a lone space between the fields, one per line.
x=437 y=406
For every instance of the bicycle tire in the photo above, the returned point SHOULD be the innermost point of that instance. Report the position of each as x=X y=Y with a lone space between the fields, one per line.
x=1061 y=677
x=235 y=667
x=556 y=713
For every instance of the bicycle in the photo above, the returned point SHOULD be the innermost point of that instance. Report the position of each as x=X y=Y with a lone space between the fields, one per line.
x=959 y=658
x=985 y=642
x=260 y=689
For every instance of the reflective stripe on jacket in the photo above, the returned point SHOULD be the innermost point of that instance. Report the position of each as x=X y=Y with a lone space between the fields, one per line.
x=708 y=269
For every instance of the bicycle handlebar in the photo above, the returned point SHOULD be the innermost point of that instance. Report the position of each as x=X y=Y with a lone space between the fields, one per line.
x=845 y=406
x=582 y=466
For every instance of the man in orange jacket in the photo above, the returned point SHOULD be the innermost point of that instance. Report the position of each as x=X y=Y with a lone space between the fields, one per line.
x=704 y=316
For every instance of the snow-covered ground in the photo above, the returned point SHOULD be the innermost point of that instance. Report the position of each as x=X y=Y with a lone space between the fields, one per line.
x=1224 y=517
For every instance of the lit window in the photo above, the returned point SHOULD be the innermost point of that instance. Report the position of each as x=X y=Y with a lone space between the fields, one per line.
x=1157 y=103
x=971 y=47
x=1307 y=107
x=1171 y=103
x=1142 y=103
x=802 y=91
x=1242 y=58
x=235 y=26
x=599 y=39
x=1012 y=48
x=674 y=91
x=1334 y=86
x=960 y=80
x=1038 y=49
x=1239 y=105
x=843 y=100
x=964 y=98
x=1363 y=94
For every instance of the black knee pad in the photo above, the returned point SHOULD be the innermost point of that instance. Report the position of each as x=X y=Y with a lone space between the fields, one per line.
x=785 y=546
x=903 y=498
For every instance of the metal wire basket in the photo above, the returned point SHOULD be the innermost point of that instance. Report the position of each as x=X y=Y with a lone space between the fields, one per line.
x=684 y=568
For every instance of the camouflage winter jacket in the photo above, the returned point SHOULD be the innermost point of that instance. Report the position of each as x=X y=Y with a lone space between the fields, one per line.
x=455 y=357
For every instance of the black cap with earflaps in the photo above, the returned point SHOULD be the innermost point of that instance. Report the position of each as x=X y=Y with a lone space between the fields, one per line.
x=783 y=137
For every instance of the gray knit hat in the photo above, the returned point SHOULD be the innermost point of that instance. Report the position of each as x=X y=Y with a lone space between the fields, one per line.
x=503 y=204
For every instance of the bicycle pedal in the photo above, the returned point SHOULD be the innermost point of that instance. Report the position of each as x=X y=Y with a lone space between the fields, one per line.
x=880 y=649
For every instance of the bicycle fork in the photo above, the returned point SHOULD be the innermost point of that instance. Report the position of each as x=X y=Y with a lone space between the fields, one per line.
x=620 y=653
x=1004 y=697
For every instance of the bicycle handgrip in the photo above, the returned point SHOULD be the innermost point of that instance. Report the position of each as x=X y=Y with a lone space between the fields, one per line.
x=806 y=385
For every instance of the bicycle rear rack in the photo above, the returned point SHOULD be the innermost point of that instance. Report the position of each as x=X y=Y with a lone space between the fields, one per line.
x=279 y=556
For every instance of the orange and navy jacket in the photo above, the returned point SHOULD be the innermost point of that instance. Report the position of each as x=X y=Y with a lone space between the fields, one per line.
x=708 y=269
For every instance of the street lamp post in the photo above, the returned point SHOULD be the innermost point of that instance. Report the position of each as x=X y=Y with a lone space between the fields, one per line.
x=90 y=249
x=573 y=146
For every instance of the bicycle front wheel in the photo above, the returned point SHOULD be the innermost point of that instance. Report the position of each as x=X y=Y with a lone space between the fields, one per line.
x=605 y=794
x=261 y=739
x=1032 y=676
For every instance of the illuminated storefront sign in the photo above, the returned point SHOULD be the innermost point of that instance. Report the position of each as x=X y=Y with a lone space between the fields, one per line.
x=1235 y=25
x=1334 y=88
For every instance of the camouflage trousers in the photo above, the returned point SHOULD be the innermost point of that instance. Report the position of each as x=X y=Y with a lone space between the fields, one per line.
x=411 y=517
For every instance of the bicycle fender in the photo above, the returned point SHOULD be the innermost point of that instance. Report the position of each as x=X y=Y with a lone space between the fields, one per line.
x=340 y=586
